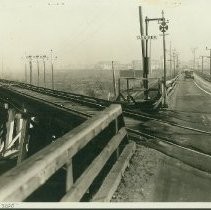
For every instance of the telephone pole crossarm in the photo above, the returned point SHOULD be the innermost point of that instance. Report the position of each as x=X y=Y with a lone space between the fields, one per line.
x=154 y=19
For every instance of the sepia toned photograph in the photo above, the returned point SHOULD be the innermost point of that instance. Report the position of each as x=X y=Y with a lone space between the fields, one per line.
x=105 y=103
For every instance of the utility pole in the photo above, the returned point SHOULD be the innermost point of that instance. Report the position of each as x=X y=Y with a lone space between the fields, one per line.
x=25 y=73
x=194 y=57
x=2 y=67
x=29 y=57
x=150 y=55
x=44 y=73
x=52 y=73
x=198 y=65
x=114 y=79
x=52 y=69
x=145 y=50
x=142 y=34
x=146 y=87
x=177 y=66
x=210 y=58
x=174 y=62
x=202 y=63
x=38 y=70
x=25 y=68
x=163 y=28
x=164 y=62
x=143 y=53
x=170 y=61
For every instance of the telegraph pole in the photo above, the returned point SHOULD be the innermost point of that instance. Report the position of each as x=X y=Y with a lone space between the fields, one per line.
x=25 y=73
x=38 y=70
x=144 y=50
x=146 y=63
x=44 y=73
x=202 y=63
x=174 y=62
x=210 y=58
x=52 y=73
x=170 y=61
x=164 y=64
x=164 y=28
x=150 y=55
x=2 y=67
x=177 y=66
x=114 y=79
x=194 y=57
x=142 y=34
x=29 y=57
x=30 y=66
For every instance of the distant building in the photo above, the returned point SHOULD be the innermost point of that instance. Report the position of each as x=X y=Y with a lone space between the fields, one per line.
x=107 y=65
x=156 y=64
x=137 y=65
x=130 y=73
x=104 y=65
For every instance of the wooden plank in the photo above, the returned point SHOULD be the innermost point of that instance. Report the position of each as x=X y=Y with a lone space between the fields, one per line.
x=23 y=141
x=14 y=140
x=85 y=180
x=69 y=175
x=10 y=127
x=116 y=131
x=19 y=122
x=21 y=181
x=113 y=179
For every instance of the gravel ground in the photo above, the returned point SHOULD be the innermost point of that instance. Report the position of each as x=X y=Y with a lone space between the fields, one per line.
x=138 y=182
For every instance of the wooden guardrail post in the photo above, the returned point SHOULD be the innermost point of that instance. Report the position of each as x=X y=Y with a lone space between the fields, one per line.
x=116 y=131
x=69 y=175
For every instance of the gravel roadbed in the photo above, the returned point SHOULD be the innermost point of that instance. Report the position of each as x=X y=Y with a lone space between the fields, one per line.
x=138 y=182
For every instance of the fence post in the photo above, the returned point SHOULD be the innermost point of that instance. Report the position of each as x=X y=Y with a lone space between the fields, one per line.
x=116 y=131
x=69 y=175
x=119 y=89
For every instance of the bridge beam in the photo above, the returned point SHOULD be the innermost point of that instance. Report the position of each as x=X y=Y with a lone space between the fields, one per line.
x=9 y=126
x=24 y=138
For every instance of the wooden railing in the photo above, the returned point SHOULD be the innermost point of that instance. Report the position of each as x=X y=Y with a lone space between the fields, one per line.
x=170 y=84
x=21 y=181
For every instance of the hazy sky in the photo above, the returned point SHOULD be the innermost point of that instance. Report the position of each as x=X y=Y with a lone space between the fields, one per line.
x=86 y=31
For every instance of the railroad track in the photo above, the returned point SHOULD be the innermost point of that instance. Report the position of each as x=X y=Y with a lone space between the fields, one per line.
x=100 y=104
x=187 y=155
x=162 y=144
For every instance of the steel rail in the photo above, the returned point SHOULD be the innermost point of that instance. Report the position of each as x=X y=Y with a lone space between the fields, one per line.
x=101 y=103
x=190 y=156
x=59 y=106
x=135 y=133
x=137 y=115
